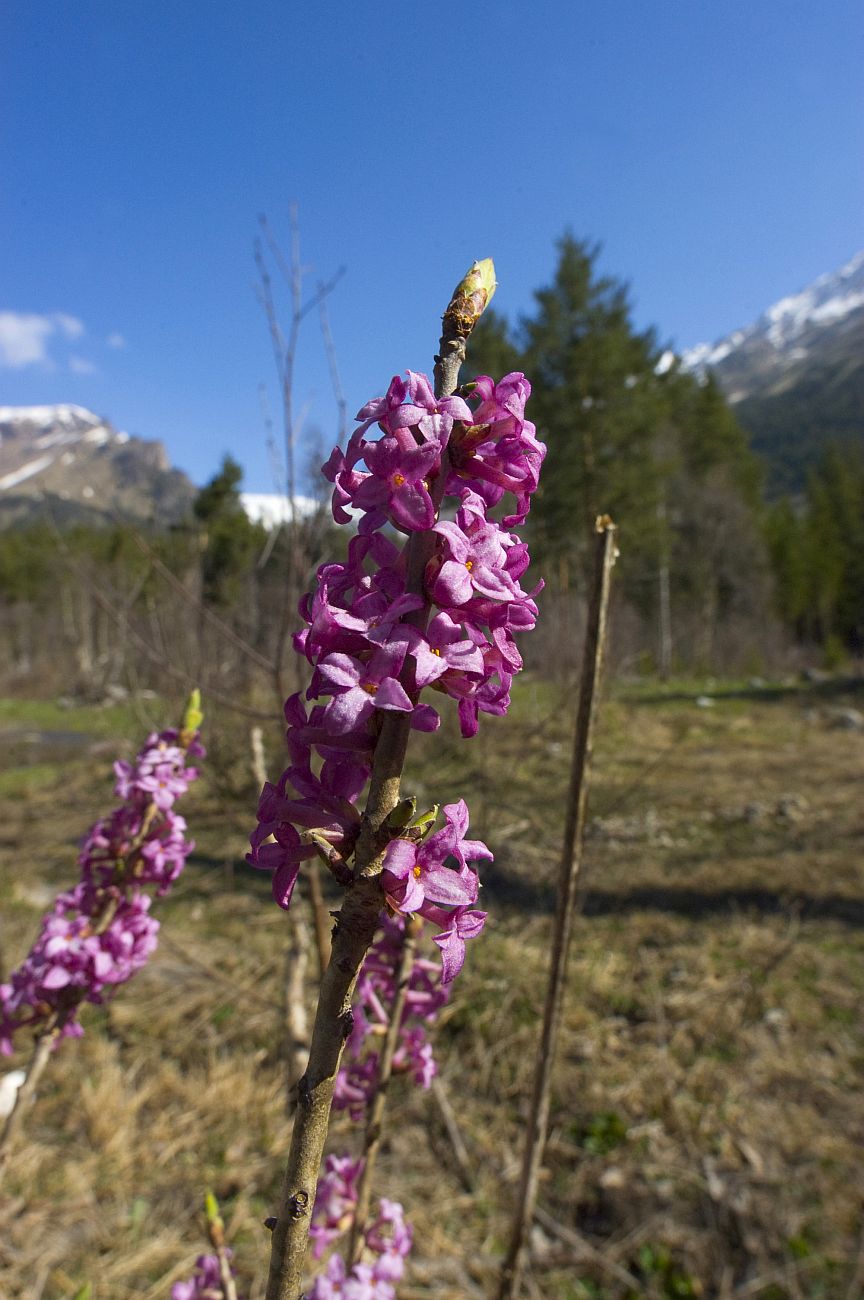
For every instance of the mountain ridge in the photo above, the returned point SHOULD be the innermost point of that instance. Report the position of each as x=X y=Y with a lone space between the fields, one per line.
x=84 y=467
x=795 y=376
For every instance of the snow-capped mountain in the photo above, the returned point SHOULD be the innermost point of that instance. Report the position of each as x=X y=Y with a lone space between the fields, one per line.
x=270 y=509
x=796 y=376
x=81 y=465
x=768 y=353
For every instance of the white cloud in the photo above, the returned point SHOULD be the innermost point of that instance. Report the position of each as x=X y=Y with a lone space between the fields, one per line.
x=81 y=366
x=116 y=340
x=71 y=326
x=24 y=336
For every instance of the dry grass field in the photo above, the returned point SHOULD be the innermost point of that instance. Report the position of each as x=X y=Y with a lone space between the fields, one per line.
x=707 y=1114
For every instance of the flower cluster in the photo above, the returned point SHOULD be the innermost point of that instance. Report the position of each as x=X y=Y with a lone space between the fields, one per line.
x=384 y=1252
x=376 y=636
x=206 y=1281
x=386 y=1242
x=100 y=932
x=374 y=996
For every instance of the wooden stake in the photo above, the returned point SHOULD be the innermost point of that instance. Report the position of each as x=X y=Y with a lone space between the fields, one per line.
x=605 y=554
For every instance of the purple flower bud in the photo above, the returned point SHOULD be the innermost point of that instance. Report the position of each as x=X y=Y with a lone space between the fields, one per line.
x=206 y=1282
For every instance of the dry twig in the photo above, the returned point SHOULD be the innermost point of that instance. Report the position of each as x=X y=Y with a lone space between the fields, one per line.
x=26 y=1093
x=374 y=1121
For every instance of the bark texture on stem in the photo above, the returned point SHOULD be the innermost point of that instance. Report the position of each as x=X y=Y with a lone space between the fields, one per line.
x=571 y=860
x=358 y=919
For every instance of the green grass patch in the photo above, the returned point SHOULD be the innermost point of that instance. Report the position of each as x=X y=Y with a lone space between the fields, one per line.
x=23 y=781
x=124 y=719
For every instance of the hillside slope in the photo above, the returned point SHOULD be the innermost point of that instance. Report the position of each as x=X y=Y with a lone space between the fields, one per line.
x=83 y=468
x=796 y=376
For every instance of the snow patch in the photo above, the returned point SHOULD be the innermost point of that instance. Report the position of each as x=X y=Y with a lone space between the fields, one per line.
x=834 y=308
x=27 y=471
x=98 y=436
x=272 y=509
x=44 y=416
x=852 y=267
x=696 y=357
x=56 y=440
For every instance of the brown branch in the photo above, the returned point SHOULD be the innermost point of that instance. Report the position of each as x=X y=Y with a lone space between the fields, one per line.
x=571 y=857
x=226 y=1280
x=454 y=1133
x=189 y=598
x=179 y=674
x=375 y=1118
x=335 y=377
x=286 y=349
x=109 y=604
x=296 y=1019
x=585 y=1250
x=320 y=915
x=285 y=354
x=355 y=927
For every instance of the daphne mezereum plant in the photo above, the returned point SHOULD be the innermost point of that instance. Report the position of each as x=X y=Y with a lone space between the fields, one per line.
x=99 y=933
x=452 y=472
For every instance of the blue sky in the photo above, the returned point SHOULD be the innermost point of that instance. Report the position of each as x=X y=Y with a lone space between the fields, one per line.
x=715 y=150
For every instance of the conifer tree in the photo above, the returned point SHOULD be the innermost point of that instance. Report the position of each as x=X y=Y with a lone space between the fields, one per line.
x=230 y=539
x=662 y=452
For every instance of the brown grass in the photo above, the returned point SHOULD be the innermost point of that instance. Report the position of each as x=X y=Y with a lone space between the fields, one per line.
x=707 y=1114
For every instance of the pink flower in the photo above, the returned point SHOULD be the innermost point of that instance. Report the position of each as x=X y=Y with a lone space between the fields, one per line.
x=360 y=688
x=416 y=873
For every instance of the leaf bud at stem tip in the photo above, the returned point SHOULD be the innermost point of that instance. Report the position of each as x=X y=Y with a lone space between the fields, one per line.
x=192 y=718
x=471 y=297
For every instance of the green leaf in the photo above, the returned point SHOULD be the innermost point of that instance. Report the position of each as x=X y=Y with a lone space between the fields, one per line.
x=402 y=813
x=426 y=820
